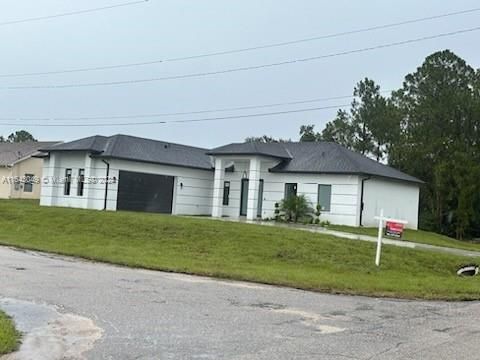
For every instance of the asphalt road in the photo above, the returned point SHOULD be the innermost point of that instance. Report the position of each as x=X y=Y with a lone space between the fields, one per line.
x=153 y=315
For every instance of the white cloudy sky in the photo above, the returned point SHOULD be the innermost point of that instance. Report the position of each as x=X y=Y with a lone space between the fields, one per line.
x=160 y=29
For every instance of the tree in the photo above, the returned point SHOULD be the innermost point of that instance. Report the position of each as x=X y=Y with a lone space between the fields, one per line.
x=20 y=136
x=373 y=120
x=369 y=127
x=339 y=130
x=439 y=121
x=264 y=139
x=308 y=134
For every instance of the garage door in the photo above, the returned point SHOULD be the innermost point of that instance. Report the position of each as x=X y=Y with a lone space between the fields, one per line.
x=145 y=192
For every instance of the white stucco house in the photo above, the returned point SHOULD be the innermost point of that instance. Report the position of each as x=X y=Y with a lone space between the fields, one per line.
x=235 y=180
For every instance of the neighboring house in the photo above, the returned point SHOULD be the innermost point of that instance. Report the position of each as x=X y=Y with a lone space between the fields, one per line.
x=234 y=180
x=20 y=171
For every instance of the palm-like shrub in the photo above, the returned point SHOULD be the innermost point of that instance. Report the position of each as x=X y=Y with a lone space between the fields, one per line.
x=293 y=208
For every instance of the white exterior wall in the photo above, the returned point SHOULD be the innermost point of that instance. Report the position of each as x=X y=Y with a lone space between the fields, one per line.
x=345 y=191
x=193 y=188
x=52 y=192
x=193 y=198
x=398 y=200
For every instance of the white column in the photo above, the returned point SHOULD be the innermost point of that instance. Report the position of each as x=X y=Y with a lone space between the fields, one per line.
x=217 y=204
x=48 y=185
x=253 y=185
x=88 y=186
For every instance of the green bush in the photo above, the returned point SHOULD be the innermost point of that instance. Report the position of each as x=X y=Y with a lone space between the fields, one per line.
x=277 y=211
x=295 y=208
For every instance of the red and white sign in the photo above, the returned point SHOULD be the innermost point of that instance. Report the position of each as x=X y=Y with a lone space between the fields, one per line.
x=394 y=229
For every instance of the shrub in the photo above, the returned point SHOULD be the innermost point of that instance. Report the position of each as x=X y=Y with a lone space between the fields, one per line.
x=318 y=212
x=277 y=211
x=294 y=208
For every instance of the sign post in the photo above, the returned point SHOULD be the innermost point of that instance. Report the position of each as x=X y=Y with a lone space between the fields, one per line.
x=395 y=223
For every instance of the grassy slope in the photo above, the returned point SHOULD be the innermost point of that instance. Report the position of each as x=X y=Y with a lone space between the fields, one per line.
x=9 y=337
x=418 y=236
x=236 y=251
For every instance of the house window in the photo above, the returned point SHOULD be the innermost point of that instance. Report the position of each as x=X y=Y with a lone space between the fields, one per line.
x=80 y=181
x=28 y=185
x=68 y=182
x=290 y=190
x=226 y=192
x=324 y=197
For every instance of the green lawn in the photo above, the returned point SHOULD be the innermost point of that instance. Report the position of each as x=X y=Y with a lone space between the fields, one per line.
x=9 y=337
x=418 y=236
x=235 y=251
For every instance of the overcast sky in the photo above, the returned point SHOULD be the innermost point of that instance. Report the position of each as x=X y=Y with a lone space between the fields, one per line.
x=160 y=29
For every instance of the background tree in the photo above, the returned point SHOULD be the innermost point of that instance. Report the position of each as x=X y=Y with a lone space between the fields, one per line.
x=308 y=134
x=429 y=128
x=339 y=130
x=20 y=136
x=439 y=141
x=264 y=139
x=370 y=127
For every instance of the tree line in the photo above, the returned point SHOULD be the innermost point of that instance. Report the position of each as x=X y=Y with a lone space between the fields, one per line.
x=17 y=136
x=429 y=128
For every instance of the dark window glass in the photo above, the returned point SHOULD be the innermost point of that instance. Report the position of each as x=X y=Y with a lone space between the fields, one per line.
x=226 y=192
x=81 y=181
x=28 y=186
x=68 y=182
x=290 y=190
x=324 y=197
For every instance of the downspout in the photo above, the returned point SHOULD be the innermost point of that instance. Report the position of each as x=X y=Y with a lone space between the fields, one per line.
x=106 y=183
x=361 y=199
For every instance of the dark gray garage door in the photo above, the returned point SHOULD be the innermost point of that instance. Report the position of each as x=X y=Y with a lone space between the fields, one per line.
x=145 y=192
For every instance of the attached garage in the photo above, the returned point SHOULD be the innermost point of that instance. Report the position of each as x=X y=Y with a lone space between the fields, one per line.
x=145 y=192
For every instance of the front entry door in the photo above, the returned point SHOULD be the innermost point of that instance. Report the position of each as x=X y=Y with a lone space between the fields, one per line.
x=244 y=197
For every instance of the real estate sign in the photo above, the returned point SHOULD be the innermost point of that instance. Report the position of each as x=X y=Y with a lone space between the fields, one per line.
x=394 y=229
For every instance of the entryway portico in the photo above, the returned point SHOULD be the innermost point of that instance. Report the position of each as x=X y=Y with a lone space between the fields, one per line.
x=244 y=184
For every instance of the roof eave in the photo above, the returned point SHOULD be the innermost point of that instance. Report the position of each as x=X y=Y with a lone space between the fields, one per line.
x=413 y=181
x=151 y=162
x=213 y=153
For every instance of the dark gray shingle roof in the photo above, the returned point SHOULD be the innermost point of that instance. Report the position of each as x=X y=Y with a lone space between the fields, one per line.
x=316 y=157
x=10 y=153
x=277 y=150
x=295 y=157
x=139 y=149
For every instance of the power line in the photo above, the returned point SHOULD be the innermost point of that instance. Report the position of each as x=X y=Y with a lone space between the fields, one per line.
x=242 y=69
x=154 y=115
x=246 y=49
x=181 y=121
x=78 y=12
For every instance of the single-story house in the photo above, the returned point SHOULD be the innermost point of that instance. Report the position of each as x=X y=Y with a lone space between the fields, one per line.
x=235 y=180
x=20 y=170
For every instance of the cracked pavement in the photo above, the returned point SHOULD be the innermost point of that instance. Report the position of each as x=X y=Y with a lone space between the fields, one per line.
x=156 y=315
